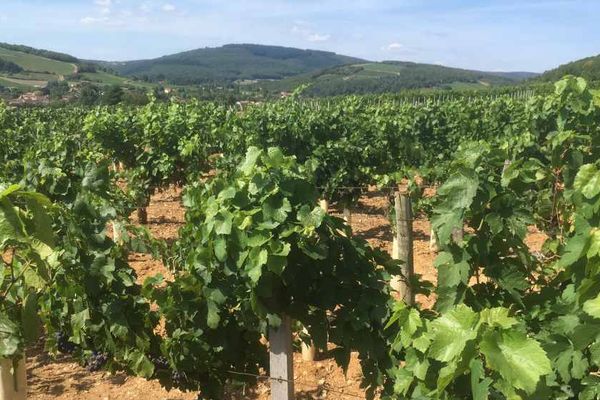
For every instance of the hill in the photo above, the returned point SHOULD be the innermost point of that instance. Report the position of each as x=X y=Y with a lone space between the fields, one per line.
x=230 y=63
x=26 y=68
x=243 y=68
x=392 y=76
x=588 y=68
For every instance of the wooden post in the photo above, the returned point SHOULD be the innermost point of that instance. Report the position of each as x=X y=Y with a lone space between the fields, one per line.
x=403 y=248
x=13 y=381
x=142 y=213
x=116 y=228
x=309 y=351
x=347 y=216
x=324 y=204
x=433 y=242
x=281 y=360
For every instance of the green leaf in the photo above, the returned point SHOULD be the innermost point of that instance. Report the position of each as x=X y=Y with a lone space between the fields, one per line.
x=226 y=194
x=258 y=257
x=141 y=365
x=212 y=318
x=10 y=340
x=458 y=191
x=276 y=158
x=497 y=317
x=520 y=360
x=221 y=248
x=479 y=384
x=311 y=218
x=42 y=223
x=223 y=223
x=587 y=181
x=258 y=238
x=249 y=162
x=592 y=307
x=11 y=225
x=9 y=190
x=276 y=209
x=594 y=249
x=30 y=319
x=451 y=332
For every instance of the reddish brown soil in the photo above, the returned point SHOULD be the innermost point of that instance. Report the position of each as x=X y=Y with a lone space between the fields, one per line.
x=62 y=379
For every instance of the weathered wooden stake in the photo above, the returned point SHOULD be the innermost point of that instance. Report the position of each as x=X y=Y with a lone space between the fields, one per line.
x=347 y=216
x=324 y=204
x=13 y=381
x=281 y=360
x=309 y=351
x=403 y=248
x=117 y=238
x=142 y=213
x=433 y=242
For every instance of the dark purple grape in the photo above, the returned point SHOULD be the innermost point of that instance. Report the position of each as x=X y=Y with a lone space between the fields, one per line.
x=63 y=344
x=97 y=361
x=160 y=362
x=178 y=378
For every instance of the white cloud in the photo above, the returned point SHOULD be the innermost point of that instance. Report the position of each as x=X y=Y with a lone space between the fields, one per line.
x=316 y=37
x=92 y=20
x=103 y=3
x=394 y=46
x=103 y=20
x=301 y=28
x=168 y=7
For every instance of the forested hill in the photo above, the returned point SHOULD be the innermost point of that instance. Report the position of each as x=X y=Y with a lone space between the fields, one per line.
x=588 y=68
x=392 y=76
x=233 y=62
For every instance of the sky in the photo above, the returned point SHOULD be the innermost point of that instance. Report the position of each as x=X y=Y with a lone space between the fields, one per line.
x=494 y=35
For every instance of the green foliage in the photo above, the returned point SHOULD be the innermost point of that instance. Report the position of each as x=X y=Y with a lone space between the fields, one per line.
x=89 y=95
x=112 y=95
x=255 y=247
x=508 y=324
x=10 y=67
x=56 y=89
x=53 y=55
x=387 y=77
x=231 y=63
x=28 y=257
x=587 y=68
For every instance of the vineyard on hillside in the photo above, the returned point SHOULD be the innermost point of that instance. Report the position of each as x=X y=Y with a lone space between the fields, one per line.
x=505 y=322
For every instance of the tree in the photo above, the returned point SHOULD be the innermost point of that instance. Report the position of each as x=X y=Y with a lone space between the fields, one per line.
x=89 y=95
x=113 y=95
x=56 y=89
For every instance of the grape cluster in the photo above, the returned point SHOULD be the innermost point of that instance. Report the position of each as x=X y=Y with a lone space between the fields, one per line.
x=96 y=361
x=178 y=378
x=160 y=362
x=63 y=344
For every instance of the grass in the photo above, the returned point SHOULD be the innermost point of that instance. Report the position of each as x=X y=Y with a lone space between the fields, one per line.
x=381 y=68
x=21 y=83
x=468 y=86
x=39 y=70
x=103 y=78
x=34 y=63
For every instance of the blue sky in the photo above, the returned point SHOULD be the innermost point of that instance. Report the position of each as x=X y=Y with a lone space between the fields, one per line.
x=532 y=35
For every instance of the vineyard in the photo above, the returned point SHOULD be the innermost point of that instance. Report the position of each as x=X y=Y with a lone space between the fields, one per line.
x=256 y=251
